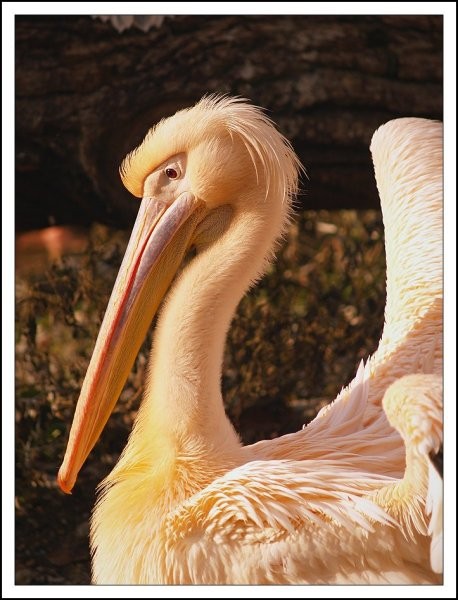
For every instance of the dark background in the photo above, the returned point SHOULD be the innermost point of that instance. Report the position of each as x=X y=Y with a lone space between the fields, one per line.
x=86 y=95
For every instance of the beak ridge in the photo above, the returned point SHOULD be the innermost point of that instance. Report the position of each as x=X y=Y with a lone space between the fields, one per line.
x=159 y=240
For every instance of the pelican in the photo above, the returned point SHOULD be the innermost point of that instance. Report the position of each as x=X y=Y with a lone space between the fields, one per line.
x=351 y=498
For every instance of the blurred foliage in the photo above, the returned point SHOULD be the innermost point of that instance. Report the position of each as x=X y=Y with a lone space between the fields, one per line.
x=296 y=339
x=58 y=313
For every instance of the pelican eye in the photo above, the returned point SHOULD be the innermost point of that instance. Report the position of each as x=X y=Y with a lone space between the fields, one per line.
x=171 y=173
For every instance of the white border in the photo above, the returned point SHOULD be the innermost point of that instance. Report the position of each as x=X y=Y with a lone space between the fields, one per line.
x=9 y=9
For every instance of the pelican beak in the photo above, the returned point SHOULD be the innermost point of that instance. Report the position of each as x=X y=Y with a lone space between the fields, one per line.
x=159 y=240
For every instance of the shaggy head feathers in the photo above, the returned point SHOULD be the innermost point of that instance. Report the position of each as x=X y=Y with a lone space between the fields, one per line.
x=234 y=129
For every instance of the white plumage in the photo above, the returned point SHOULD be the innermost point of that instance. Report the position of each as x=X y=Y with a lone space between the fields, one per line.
x=346 y=499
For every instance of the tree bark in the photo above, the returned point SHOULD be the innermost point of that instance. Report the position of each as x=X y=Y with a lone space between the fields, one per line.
x=86 y=95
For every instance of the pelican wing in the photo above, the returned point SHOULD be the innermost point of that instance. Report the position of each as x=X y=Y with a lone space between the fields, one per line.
x=281 y=496
x=413 y=405
x=310 y=522
x=339 y=433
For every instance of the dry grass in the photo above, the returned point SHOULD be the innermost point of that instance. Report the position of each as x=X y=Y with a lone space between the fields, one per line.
x=295 y=341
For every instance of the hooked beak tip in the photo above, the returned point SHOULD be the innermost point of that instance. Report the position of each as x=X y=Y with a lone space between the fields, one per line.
x=64 y=483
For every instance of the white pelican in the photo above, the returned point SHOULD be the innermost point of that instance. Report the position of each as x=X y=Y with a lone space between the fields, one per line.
x=341 y=501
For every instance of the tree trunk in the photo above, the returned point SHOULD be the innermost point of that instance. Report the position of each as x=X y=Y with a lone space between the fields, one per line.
x=86 y=94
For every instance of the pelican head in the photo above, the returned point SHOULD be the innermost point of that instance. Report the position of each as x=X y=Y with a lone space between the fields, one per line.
x=195 y=173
